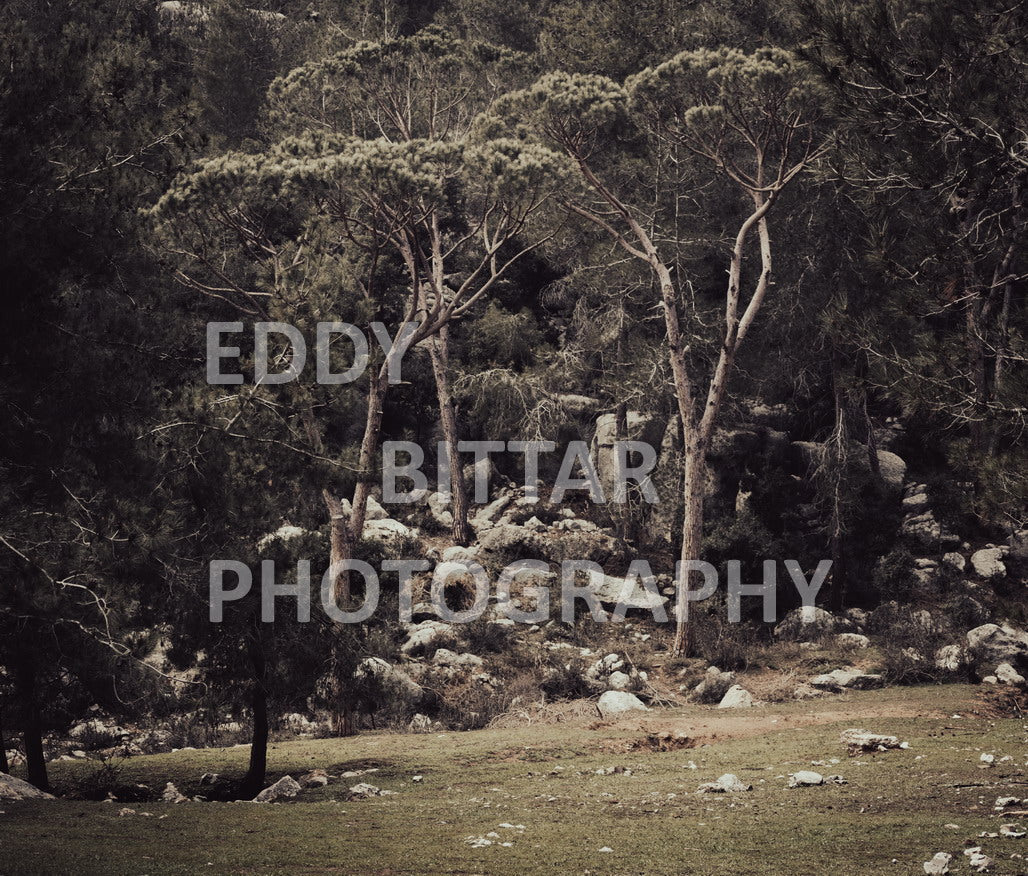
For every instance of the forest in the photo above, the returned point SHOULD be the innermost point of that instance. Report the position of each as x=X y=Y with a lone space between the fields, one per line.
x=361 y=356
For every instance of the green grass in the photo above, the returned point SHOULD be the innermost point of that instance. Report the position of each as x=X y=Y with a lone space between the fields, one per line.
x=895 y=805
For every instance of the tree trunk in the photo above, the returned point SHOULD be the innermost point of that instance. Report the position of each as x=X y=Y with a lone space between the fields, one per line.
x=5 y=767
x=253 y=781
x=32 y=727
x=840 y=439
x=439 y=353
x=692 y=536
x=340 y=547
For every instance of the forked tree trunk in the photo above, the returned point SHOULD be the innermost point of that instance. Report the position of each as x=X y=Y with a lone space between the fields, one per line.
x=439 y=353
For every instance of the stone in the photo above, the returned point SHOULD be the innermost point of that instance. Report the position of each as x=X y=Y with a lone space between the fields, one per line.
x=954 y=561
x=993 y=644
x=1006 y=674
x=446 y=657
x=389 y=676
x=806 y=692
x=387 y=530
x=619 y=681
x=848 y=678
x=630 y=594
x=805 y=778
x=489 y=514
x=852 y=640
x=949 y=658
x=714 y=686
x=287 y=786
x=915 y=503
x=923 y=529
x=363 y=789
x=173 y=795
x=862 y=740
x=285 y=532
x=439 y=509
x=617 y=702
x=459 y=554
x=729 y=783
x=938 y=865
x=420 y=724
x=988 y=563
x=806 y=623
x=736 y=697
x=374 y=510
x=12 y=788
x=423 y=635
x=314 y=779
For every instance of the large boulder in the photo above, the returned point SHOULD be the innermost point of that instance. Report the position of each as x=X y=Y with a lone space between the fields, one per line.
x=12 y=788
x=387 y=530
x=628 y=593
x=805 y=624
x=991 y=644
x=617 y=702
x=422 y=636
x=714 y=686
x=639 y=427
x=849 y=679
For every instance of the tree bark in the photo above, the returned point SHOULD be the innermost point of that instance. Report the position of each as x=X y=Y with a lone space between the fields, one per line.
x=5 y=767
x=253 y=781
x=32 y=727
x=692 y=537
x=340 y=547
x=439 y=353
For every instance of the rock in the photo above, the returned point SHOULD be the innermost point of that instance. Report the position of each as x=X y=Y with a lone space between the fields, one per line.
x=458 y=554
x=805 y=778
x=729 y=783
x=439 y=508
x=1006 y=674
x=12 y=788
x=363 y=789
x=489 y=514
x=510 y=540
x=992 y=644
x=938 y=865
x=736 y=697
x=949 y=658
x=977 y=860
x=862 y=740
x=420 y=724
x=387 y=530
x=714 y=686
x=988 y=563
x=374 y=510
x=806 y=623
x=806 y=692
x=1014 y=831
x=314 y=779
x=849 y=678
x=287 y=786
x=916 y=502
x=954 y=561
x=616 y=702
x=450 y=659
x=173 y=795
x=391 y=677
x=892 y=467
x=852 y=640
x=619 y=681
x=923 y=529
x=632 y=595
x=283 y=533
x=423 y=635
x=639 y=427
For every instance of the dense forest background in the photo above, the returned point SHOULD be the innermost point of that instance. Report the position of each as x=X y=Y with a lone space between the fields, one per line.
x=497 y=168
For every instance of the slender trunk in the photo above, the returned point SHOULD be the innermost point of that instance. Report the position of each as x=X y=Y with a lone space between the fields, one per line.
x=692 y=537
x=32 y=728
x=343 y=533
x=439 y=353
x=253 y=781
x=5 y=767
x=838 y=459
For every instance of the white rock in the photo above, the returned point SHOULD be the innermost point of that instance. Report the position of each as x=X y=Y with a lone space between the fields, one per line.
x=173 y=795
x=949 y=657
x=805 y=778
x=619 y=680
x=852 y=640
x=862 y=740
x=363 y=789
x=1006 y=674
x=287 y=786
x=938 y=865
x=988 y=563
x=616 y=702
x=728 y=783
x=387 y=530
x=954 y=561
x=737 y=697
x=12 y=788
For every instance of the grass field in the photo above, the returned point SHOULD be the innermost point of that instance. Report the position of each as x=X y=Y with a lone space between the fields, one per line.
x=891 y=815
